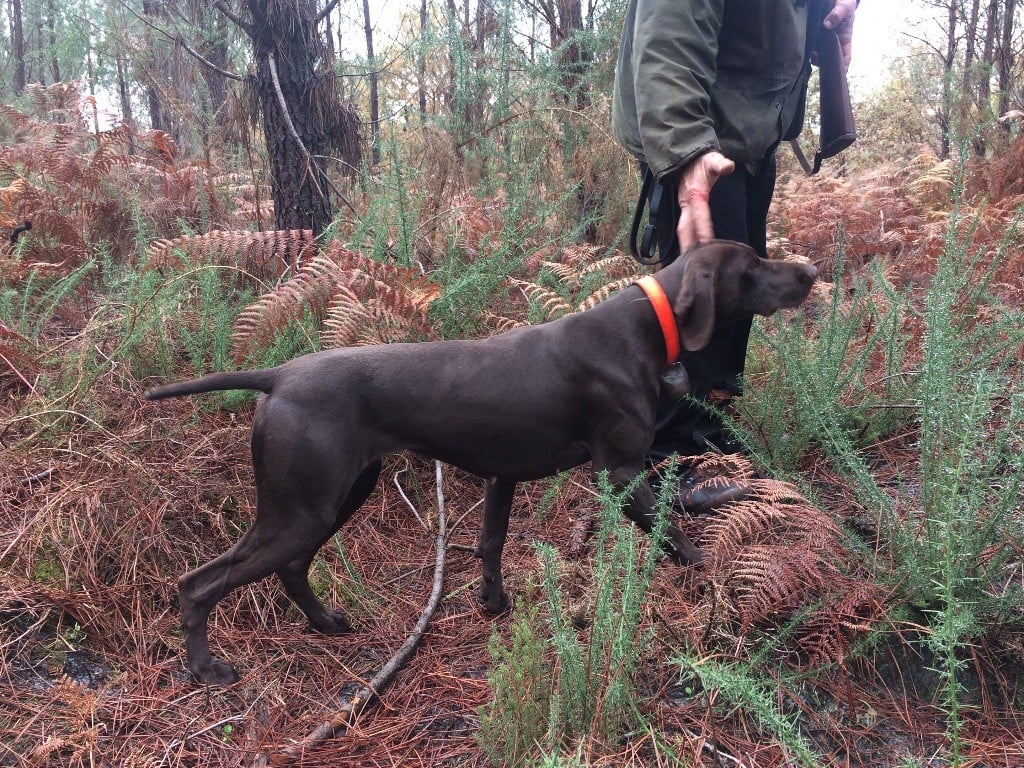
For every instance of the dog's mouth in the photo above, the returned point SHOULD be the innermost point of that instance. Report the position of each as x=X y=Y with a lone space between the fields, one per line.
x=798 y=280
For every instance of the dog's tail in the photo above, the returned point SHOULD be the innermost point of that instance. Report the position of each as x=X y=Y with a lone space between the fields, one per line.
x=262 y=380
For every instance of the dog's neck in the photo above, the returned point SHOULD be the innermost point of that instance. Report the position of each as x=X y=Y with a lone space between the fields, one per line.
x=666 y=319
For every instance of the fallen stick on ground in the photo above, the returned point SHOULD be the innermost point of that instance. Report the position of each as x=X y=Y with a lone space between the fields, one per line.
x=340 y=720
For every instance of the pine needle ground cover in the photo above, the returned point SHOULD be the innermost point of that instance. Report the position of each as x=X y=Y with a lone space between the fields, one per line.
x=861 y=606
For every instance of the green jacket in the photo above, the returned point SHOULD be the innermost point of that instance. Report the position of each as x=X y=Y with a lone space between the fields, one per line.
x=697 y=75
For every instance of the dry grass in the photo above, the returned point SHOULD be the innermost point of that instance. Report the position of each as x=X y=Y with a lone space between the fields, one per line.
x=131 y=500
x=106 y=501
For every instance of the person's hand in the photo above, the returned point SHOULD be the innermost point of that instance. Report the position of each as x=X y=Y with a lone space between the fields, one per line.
x=694 y=186
x=840 y=18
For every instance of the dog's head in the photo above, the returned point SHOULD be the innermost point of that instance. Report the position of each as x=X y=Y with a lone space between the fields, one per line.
x=723 y=281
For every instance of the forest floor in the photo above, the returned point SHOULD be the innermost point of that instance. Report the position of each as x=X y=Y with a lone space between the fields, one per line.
x=107 y=499
x=136 y=493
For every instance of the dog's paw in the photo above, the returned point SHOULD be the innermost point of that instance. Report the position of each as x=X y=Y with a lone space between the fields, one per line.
x=712 y=494
x=681 y=549
x=331 y=623
x=493 y=600
x=216 y=672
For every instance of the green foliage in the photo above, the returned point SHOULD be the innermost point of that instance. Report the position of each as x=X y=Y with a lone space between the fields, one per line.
x=207 y=337
x=472 y=285
x=182 y=317
x=952 y=539
x=594 y=691
x=29 y=307
x=885 y=127
x=516 y=719
x=589 y=689
x=742 y=686
x=553 y=487
x=972 y=471
x=847 y=375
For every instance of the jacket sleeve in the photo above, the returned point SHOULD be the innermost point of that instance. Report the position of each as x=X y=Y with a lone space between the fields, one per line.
x=674 y=52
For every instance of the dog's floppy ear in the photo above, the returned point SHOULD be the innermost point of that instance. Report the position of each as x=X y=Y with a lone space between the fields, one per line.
x=695 y=305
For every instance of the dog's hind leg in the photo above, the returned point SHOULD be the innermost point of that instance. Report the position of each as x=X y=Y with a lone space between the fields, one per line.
x=295 y=575
x=497 y=505
x=262 y=550
x=293 y=518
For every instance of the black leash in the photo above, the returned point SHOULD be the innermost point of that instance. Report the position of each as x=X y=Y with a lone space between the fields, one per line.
x=646 y=251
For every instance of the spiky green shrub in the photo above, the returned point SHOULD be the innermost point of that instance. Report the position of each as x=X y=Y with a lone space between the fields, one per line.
x=555 y=683
x=949 y=532
x=740 y=685
x=516 y=719
x=846 y=367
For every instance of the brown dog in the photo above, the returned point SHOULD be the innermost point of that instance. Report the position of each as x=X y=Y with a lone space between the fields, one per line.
x=518 y=406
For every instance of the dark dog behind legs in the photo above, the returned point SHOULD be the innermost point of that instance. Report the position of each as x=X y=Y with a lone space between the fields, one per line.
x=518 y=406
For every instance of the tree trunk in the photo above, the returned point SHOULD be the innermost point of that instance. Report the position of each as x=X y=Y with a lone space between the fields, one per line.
x=422 y=63
x=984 y=100
x=51 y=22
x=946 y=112
x=37 y=26
x=124 y=94
x=971 y=44
x=371 y=63
x=154 y=71
x=468 y=92
x=215 y=49
x=284 y=36
x=18 y=46
x=1005 y=58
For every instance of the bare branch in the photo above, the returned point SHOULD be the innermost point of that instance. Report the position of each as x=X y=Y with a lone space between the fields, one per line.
x=179 y=40
x=239 y=22
x=326 y=11
x=310 y=160
x=369 y=693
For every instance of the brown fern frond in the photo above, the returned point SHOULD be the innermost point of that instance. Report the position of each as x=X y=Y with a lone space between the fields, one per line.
x=852 y=609
x=18 y=119
x=18 y=362
x=396 y=299
x=573 y=263
x=357 y=300
x=604 y=292
x=475 y=222
x=110 y=154
x=161 y=144
x=772 y=491
x=58 y=102
x=768 y=581
x=742 y=524
x=580 y=255
x=368 y=311
x=715 y=466
x=547 y=300
x=346 y=320
x=421 y=292
x=771 y=554
x=265 y=255
x=259 y=324
x=758 y=519
x=568 y=274
x=617 y=265
x=501 y=324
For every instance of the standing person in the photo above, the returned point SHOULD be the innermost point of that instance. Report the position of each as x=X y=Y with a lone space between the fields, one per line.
x=705 y=90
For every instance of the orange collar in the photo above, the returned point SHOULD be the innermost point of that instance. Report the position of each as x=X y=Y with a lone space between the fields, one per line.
x=667 y=320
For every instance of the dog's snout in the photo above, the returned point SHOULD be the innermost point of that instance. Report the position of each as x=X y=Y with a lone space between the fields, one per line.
x=811 y=272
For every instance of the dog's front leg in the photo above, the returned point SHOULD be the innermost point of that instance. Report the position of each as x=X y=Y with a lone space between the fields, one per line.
x=640 y=508
x=497 y=505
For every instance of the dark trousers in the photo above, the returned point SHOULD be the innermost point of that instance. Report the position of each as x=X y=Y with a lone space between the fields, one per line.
x=739 y=211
